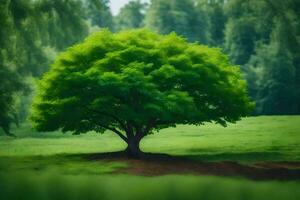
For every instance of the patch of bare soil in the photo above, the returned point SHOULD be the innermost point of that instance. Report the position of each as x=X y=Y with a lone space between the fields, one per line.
x=279 y=165
x=162 y=164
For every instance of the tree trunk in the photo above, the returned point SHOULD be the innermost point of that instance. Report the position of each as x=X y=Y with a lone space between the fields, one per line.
x=133 y=148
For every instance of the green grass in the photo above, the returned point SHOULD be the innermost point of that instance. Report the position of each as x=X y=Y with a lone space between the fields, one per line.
x=51 y=165
x=252 y=139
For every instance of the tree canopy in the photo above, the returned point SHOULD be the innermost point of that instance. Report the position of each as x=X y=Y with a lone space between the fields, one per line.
x=136 y=82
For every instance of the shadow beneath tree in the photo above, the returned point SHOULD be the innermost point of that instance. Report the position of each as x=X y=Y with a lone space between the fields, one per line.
x=150 y=164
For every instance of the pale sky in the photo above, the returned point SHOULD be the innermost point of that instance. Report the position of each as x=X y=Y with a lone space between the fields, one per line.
x=115 y=5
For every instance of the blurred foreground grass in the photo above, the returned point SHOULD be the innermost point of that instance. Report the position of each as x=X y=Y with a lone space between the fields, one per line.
x=114 y=187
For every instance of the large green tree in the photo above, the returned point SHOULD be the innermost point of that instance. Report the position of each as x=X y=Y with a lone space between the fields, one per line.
x=137 y=82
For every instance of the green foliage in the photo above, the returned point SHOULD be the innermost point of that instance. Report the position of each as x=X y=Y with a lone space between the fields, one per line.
x=138 y=81
x=10 y=85
x=179 y=16
x=42 y=24
x=31 y=34
x=98 y=12
x=131 y=15
x=280 y=93
x=10 y=80
x=240 y=40
x=263 y=36
x=216 y=20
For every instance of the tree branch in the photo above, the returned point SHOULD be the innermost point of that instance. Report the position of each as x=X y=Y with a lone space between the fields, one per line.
x=111 y=129
x=114 y=130
x=143 y=132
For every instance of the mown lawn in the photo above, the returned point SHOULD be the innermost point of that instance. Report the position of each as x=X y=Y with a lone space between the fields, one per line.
x=53 y=165
x=252 y=139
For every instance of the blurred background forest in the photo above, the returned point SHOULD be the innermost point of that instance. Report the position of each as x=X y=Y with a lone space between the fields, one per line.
x=261 y=36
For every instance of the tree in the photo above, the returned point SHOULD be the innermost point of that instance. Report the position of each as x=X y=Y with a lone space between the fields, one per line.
x=31 y=32
x=179 y=16
x=263 y=37
x=136 y=82
x=216 y=19
x=10 y=85
x=278 y=92
x=38 y=27
x=45 y=25
x=10 y=81
x=131 y=15
x=240 y=38
x=99 y=13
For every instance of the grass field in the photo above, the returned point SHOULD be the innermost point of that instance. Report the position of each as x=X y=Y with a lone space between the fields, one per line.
x=55 y=166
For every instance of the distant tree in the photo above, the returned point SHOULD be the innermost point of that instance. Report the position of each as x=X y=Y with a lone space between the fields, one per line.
x=99 y=13
x=10 y=85
x=131 y=15
x=10 y=82
x=40 y=26
x=216 y=19
x=263 y=37
x=278 y=92
x=240 y=37
x=136 y=82
x=179 y=16
x=30 y=35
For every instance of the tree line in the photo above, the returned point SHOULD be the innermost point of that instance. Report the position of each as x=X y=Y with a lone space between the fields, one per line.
x=261 y=36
